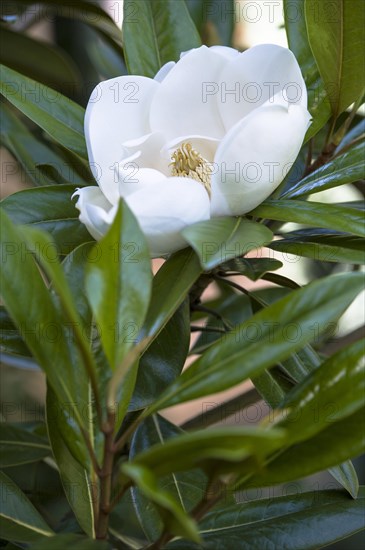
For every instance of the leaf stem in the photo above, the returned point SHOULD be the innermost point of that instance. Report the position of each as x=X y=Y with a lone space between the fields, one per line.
x=105 y=477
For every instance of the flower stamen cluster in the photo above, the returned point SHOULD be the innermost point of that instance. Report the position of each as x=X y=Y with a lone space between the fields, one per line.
x=188 y=163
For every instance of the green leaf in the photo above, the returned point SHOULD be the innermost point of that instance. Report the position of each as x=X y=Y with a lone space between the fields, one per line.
x=31 y=153
x=87 y=12
x=274 y=387
x=56 y=114
x=41 y=483
x=187 y=487
x=118 y=285
x=10 y=338
x=19 y=520
x=174 y=517
x=22 y=53
x=338 y=442
x=253 y=268
x=216 y=451
x=296 y=31
x=221 y=239
x=346 y=475
x=76 y=480
x=70 y=541
x=38 y=320
x=346 y=168
x=171 y=285
x=83 y=360
x=336 y=34
x=270 y=336
x=164 y=359
x=155 y=33
x=18 y=446
x=332 y=392
x=324 y=247
x=74 y=266
x=232 y=310
x=329 y=216
x=51 y=209
x=289 y=522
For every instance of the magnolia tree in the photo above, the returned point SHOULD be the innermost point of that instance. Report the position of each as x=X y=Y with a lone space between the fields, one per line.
x=199 y=154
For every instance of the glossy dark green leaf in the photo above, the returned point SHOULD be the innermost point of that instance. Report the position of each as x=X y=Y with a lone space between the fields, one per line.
x=324 y=247
x=118 y=285
x=41 y=483
x=338 y=442
x=274 y=386
x=51 y=209
x=155 y=33
x=76 y=479
x=90 y=13
x=74 y=266
x=346 y=476
x=38 y=320
x=296 y=31
x=187 y=487
x=305 y=520
x=83 y=363
x=22 y=53
x=346 y=168
x=56 y=114
x=164 y=359
x=356 y=132
x=174 y=517
x=232 y=311
x=333 y=391
x=171 y=285
x=221 y=239
x=329 y=216
x=253 y=268
x=216 y=451
x=10 y=338
x=270 y=336
x=19 y=519
x=105 y=60
x=124 y=524
x=70 y=541
x=336 y=34
x=19 y=446
x=32 y=154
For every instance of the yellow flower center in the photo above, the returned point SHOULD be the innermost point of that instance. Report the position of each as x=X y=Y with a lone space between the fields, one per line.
x=188 y=163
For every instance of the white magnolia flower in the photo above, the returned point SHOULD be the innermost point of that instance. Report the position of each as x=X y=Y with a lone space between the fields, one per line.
x=211 y=135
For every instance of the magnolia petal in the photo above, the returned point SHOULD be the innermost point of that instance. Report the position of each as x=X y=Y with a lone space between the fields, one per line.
x=254 y=77
x=96 y=212
x=255 y=156
x=118 y=111
x=149 y=149
x=184 y=104
x=225 y=51
x=163 y=209
x=132 y=178
x=164 y=71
